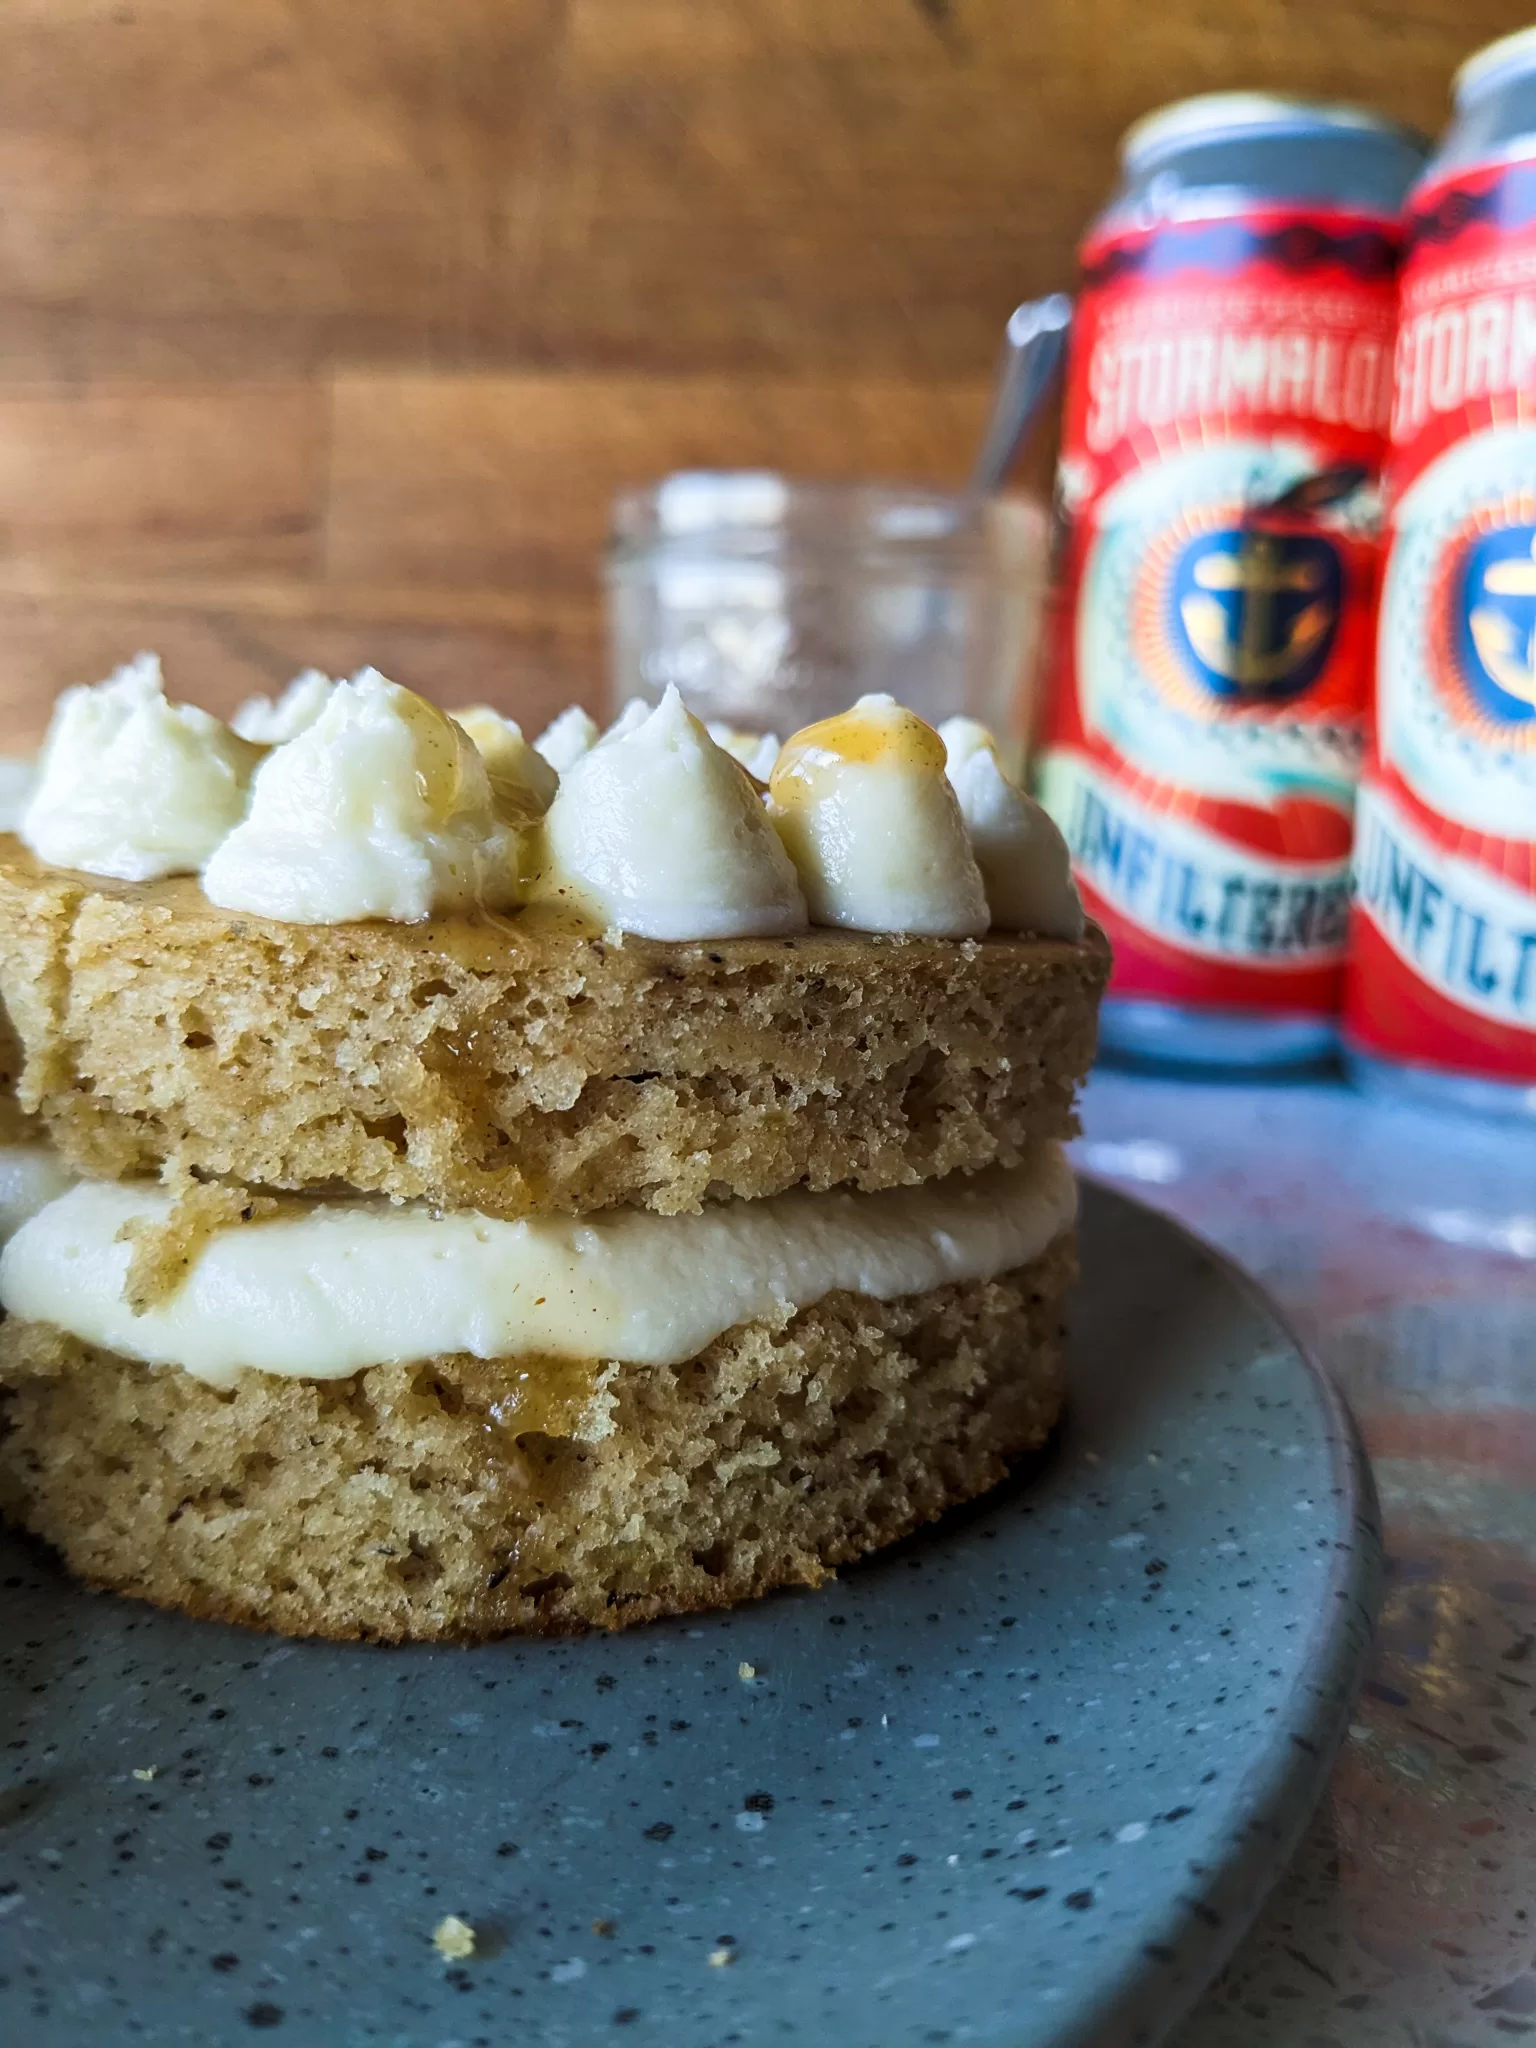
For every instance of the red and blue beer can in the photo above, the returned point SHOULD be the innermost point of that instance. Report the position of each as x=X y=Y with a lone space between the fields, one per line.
x=1228 y=398
x=1442 y=986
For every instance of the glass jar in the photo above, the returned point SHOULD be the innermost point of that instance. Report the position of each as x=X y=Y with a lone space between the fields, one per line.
x=771 y=603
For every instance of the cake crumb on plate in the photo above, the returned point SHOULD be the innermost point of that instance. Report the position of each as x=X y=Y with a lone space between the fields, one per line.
x=453 y=1938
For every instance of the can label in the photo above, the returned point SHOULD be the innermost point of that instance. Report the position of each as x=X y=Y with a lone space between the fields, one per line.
x=1226 y=415
x=1444 y=973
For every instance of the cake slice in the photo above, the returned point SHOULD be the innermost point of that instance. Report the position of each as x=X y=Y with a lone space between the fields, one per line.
x=523 y=1200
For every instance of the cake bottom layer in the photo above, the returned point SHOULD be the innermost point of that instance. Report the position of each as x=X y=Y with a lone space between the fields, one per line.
x=412 y=1502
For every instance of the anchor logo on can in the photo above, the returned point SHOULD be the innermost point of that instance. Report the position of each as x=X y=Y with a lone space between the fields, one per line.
x=1497 y=615
x=1256 y=613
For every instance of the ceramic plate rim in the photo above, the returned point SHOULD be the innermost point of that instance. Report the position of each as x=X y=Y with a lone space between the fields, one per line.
x=1280 y=1788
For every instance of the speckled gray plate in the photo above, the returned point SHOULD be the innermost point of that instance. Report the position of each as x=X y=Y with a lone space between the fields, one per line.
x=1022 y=1780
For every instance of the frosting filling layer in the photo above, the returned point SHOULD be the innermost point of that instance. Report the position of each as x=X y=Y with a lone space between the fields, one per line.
x=31 y=1176
x=327 y=1289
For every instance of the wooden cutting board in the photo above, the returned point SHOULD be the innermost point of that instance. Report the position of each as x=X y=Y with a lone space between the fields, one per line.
x=328 y=329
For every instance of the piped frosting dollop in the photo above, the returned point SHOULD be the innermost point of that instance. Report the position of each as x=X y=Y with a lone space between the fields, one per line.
x=756 y=751
x=1024 y=862
x=132 y=786
x=566 y=738
x=381 y=808
x=272 y=721
x=864 y=807
x=522 y=781
x=658 y=831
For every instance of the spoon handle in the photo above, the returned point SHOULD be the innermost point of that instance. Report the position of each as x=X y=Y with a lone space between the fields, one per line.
x=1034 y=345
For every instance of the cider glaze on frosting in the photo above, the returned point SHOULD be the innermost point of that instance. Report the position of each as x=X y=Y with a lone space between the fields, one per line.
x=327 y=1289
x=522 y=781
x=863 y=805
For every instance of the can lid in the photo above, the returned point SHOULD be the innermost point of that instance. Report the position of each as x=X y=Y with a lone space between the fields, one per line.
x=1227 y=115
x=1492 y=65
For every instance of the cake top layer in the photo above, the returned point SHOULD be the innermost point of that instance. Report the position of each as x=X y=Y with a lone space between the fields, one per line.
x=523 y=1063
x=345 y=802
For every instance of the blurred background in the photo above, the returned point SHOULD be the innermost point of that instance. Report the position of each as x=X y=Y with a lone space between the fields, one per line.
x=327 y=333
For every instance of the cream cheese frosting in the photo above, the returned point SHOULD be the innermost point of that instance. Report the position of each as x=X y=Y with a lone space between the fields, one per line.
x=756 y=751
x=657 y=831
x=132 y=786
x=567 y=738
x=630 y=719
x=343 y=801
x=18 y=779
x=873 y=826
x=1025 y=866
x=31 y=1176
x=522 y=781
x=328 y=1289
x=380 y=808
x=272 y=721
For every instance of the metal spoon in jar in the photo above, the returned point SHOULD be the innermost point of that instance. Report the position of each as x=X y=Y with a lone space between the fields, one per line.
x=1034 y=344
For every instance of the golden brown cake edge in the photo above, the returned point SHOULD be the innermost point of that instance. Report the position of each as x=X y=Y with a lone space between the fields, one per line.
x=523 y=1065
x=391 y=1506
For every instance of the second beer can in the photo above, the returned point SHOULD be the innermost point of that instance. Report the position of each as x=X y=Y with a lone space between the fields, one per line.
x=1442 y=988
x=1228 y=397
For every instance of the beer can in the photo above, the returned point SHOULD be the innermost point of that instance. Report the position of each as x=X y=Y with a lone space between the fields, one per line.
x=1441 y=1002
x=1228 y=393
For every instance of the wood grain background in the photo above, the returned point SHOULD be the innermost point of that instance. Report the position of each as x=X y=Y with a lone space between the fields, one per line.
x=327 y=330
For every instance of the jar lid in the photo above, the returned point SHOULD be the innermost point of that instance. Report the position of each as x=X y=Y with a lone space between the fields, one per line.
x=702 y=500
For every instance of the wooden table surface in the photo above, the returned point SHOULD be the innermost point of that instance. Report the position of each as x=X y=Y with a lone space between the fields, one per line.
x=327 y=331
